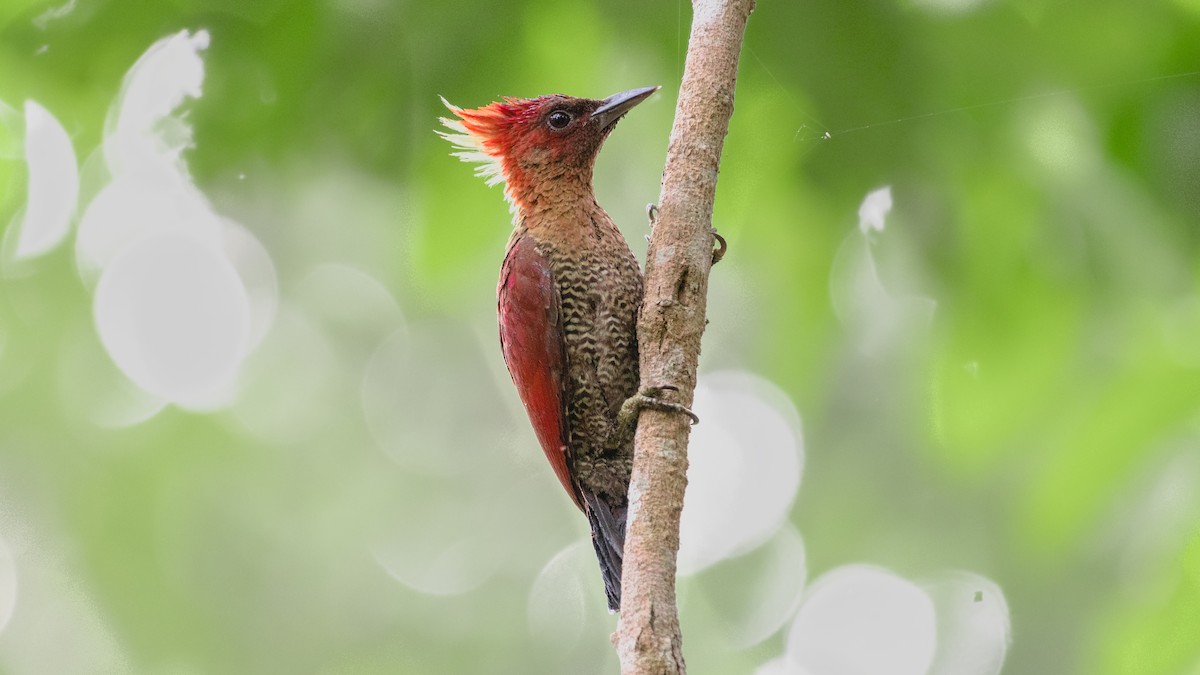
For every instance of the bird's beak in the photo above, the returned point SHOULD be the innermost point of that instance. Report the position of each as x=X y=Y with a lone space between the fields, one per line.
x=617 y=105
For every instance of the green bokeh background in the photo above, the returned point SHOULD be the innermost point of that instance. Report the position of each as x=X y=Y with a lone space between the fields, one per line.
x=1042 y=429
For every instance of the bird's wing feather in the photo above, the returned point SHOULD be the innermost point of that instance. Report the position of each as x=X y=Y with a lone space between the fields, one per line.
x=531 y=337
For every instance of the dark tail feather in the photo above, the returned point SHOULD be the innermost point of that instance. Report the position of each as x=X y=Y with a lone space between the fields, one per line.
x=608 y=538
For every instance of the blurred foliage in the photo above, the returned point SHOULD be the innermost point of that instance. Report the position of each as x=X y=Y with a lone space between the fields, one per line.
x=1045 y=162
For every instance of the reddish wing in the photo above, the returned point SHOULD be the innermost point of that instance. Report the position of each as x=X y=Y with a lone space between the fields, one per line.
x=532 y=340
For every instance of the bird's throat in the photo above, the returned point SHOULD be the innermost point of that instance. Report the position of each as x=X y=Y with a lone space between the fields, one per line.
x=549 y=192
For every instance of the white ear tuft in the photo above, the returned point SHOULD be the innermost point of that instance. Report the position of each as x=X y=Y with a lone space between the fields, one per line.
x=470 y=148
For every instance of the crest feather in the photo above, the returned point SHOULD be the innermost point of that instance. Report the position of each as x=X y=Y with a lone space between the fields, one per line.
x=471 y=145
x=483 y=135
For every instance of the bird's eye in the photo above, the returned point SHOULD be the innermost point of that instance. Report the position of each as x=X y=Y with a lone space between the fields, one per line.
x=559 y=119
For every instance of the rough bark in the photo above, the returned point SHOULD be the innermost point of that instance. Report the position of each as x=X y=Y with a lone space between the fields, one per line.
x=669 y=329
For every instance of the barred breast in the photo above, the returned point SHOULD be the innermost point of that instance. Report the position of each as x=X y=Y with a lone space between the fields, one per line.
x=600 y=291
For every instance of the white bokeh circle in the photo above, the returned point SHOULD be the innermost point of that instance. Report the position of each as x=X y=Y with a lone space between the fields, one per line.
x=441 y=552
x=141 y=134
x=174 y=315
x=92 y=386
x=255 y=268
x=780 y=665
x=53 y=183
x=757 y=593
x=974 y=629
x=287 y=387
x=557 y=602
x=864 y=620
x=8 y=584
x=745 y=460
x=131 y=207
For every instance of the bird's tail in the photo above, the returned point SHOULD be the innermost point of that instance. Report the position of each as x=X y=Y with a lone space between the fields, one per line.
x=608 y=538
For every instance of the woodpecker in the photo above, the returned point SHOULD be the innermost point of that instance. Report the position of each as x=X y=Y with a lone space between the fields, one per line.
x=568 y=298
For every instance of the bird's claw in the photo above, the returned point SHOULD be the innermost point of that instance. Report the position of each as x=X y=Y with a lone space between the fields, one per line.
x=719 y=252
x=652 y=214
x=651 y=397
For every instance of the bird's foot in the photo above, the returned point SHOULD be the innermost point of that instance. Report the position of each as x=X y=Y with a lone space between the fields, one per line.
x=648 y=397
x=652 y=216
x=719 y=252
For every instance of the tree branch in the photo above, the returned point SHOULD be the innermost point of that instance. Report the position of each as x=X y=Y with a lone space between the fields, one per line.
x=669 y=329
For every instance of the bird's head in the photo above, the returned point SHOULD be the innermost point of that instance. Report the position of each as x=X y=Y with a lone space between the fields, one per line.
x=537 y=145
